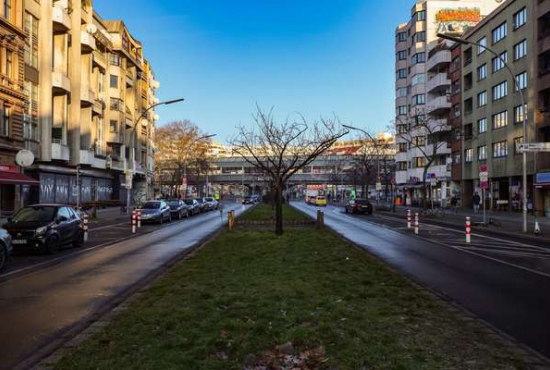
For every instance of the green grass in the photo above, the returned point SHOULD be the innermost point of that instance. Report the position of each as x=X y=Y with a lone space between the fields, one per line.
x=249 y=291
x=266 y=212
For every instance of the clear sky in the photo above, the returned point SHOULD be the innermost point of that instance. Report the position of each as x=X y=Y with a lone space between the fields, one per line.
x=317 y=57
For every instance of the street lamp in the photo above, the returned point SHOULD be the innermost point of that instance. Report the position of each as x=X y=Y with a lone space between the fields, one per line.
x=377 y=157
x=131 y=142
x=524 y=108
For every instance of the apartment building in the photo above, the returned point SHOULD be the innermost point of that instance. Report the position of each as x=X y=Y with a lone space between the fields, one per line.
x=87 y=84
x=455 y=120
x=423 y=94
x=492 y=109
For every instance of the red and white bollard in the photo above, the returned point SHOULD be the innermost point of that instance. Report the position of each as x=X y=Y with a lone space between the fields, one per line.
x=416 y=224
x=85 y=228
x=409 y=219
x=134 y=216
x=468 y=230
x=138 y=218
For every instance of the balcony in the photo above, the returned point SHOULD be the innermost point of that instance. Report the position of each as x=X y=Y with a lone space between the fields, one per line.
x=544 y=42
x=438 y=84
x=61 y=18
x=87 y=41
x=99 y=59
x=438 y=105
x=86 y=156
x=87 y=97
x=60 y=152
x=440 y=59
x=61 y=83
x=129 y=81
x=98 y=107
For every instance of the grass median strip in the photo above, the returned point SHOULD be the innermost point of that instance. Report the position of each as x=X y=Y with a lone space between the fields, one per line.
x=306 y=300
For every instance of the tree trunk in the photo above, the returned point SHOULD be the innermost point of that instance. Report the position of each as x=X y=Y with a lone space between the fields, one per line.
x=279 y=209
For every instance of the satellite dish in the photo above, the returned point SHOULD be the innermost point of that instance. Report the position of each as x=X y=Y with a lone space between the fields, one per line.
x=24 y=158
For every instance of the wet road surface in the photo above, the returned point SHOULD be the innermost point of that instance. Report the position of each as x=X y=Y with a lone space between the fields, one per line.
x=35 y=307
x=502 y=291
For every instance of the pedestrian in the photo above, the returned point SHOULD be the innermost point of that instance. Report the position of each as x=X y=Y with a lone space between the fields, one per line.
x=476 y=200
x=454 y=204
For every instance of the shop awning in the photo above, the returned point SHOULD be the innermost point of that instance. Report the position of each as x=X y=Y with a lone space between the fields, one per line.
x=12 y=178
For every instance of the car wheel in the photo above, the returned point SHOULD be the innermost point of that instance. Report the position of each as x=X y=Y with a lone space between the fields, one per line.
x=161 y=219
x=79 y=241
x=346 y=209
x=3 y=256
x=52 y=246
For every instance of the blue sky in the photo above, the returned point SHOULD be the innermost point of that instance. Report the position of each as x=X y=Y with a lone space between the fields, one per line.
x=316 y=57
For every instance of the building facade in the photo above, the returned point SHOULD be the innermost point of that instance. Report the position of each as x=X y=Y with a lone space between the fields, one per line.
x=492 y=109
x=87 y=84
x=423 y=94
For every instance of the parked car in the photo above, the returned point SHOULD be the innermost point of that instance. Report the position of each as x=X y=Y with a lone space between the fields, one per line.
x=45 y=227
x=156 y=211
x=203 y=206
x=359 y=206
x=248 y=200
x=178 y=208
x=6 y=247
x=256 y=199
x=193 y=206
x=212 y=203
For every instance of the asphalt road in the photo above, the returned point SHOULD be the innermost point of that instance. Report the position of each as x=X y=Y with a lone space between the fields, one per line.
x=36 y=308
x=510 y=294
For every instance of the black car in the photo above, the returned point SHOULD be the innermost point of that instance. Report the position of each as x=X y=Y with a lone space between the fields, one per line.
x=156 y=211
x=359 y=206
x=193 y=206
x=203 y=204
x=6 y=247
x=45 y=227
x=178 y=208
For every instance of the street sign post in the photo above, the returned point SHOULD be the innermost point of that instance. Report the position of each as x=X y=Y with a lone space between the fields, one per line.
x=533 y=147
x=484 y=185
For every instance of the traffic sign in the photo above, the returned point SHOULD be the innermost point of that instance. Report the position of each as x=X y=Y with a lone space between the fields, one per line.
x=533 y=147
x=378 y=186
x=484 y=176
x=483 y=168
x=433 y=181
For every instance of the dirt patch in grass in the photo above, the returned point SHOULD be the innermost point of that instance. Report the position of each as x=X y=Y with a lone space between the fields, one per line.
x=306 y=300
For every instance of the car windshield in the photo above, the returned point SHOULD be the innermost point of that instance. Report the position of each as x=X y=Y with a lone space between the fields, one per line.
x=209 y=199
x=35 y=214
x=189 y=202
x=151 y=205
x=361 y=201
x=173 y=203
x=200 y=200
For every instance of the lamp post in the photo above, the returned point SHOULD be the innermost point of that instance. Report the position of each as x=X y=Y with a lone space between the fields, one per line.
x=524 y=108
x=377 y=157
x=131 y=142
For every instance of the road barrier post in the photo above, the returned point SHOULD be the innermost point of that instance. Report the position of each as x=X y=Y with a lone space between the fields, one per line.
x=416 y=224
x=138 y=218
x=85 y=227
x=320 y=219
x=133 y=222
x=468 y=230
x=409 y=219
x=231 y=220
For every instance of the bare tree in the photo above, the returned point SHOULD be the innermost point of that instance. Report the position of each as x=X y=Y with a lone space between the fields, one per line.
x=279 y=150
x=426 y=134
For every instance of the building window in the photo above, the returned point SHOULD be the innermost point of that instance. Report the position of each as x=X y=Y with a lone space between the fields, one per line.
x=401 y=73
x=482 y=153
x=500 y=149
x=500 y=32
x=31 y=48
x=482 y=99
x=7 y=9
x=500 y=120
x=520 y=18
x=500 y=91
x=402 y=92
x=420 y=16
x=419 y=36
x=418 y=58
x=402 y=110
x=521 y=81
x=401 y=166
x=498 y=63
x=401 y=36
x=469 y=155
x=402 y=129
x=519 y=113
x=482 y=125
x=115 y=60
x=482 y=45
x=419 y=99
x=419 y=162
x=402 y=147
x=5 y=127
x=101 y=82
x=9 y=63
x=114 y=82
x=520 y=50
x=402 y=55
x=517 y=142
x=456 y=158
x=419 y=78
x=482 y=72
x=113 y=126
x=419 y=141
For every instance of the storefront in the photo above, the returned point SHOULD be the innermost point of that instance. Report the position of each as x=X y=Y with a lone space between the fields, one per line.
x=542 y=186
x=12 y=185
